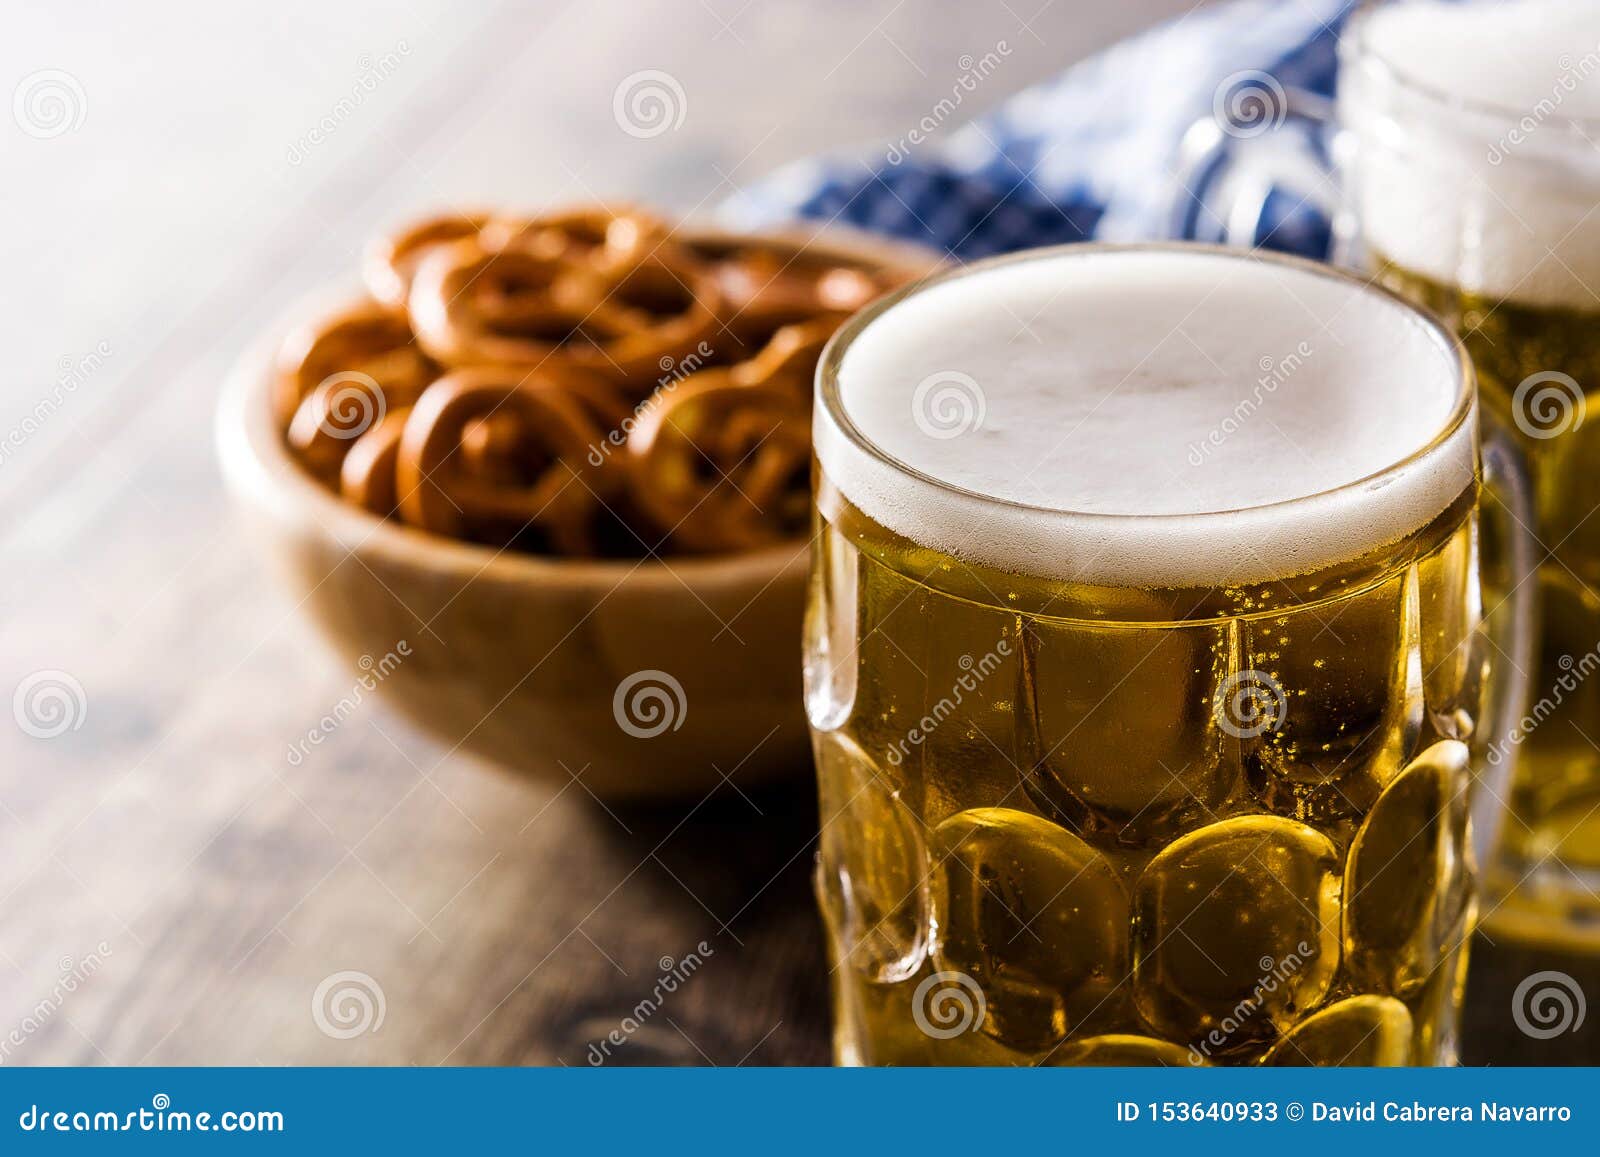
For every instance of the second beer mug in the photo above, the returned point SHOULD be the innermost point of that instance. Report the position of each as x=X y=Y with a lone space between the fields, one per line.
x=1144 y=666
x=1470 y=183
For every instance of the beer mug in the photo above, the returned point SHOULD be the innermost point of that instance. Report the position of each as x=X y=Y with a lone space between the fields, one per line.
x=1145 y=665
x=1469 y=181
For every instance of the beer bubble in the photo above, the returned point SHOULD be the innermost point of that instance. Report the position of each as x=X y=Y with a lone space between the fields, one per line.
x=1249 y=703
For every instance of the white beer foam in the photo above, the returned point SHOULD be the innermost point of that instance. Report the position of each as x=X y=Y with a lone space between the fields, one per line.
x=1194 y=388
x=1474 y=169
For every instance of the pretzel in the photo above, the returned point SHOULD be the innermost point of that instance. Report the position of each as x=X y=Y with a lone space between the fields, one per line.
x=522 y=305
x=591 y=362
x=332 y=417
x=605 y=401
x=473 y=305
x=719 y=466
x=390 y=262
x=644 y=316
x=366 y=476
x=789 y=359
x=767 y=287
x=586 y=233
x=487 y=456
x=364 y=339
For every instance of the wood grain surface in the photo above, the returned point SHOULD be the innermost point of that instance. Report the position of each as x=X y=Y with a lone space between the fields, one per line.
x=173 y=889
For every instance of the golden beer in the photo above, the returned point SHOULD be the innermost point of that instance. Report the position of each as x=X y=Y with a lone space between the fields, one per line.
x=1474 y=189
x=1550 y=852
x=1153 y=777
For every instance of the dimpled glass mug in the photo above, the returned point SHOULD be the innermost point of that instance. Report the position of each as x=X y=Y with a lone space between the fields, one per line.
x=1468 y=180
x=1143 y=646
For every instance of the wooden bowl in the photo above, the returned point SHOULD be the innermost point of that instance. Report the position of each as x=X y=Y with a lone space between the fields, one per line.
x=643 y=679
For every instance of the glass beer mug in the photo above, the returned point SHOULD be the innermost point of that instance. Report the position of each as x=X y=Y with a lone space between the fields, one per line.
x=1145 y=665
x=1469 y=181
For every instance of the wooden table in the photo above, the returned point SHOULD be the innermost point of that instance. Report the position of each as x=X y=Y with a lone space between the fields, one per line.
x=193 y=888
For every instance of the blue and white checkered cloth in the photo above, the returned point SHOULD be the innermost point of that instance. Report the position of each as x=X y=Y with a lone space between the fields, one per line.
x=1088 y=155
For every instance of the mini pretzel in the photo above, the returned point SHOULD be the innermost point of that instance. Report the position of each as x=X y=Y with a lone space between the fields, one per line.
x=366 y=476
x=486 y=456
x=605 y=402
x=789 y=359
x=641 y=318
x=720 y=466
x=595 y=234
x=518 y=379
x=390 y=262
x=473 y=305
x=516 y=305
x=767 y=288
x=367 y=339
x=332 y=417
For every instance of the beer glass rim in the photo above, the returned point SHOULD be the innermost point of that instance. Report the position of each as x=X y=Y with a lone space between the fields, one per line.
x=831 y=399
x=1356 y=50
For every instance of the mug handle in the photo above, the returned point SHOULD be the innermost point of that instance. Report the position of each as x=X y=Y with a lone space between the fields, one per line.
x=1505 y=508
x=1245 y=154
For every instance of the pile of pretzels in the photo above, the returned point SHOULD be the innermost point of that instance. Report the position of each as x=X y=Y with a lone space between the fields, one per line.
x=585 y=383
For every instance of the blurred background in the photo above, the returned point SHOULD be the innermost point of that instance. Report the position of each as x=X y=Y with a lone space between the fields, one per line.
x=172 y=890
